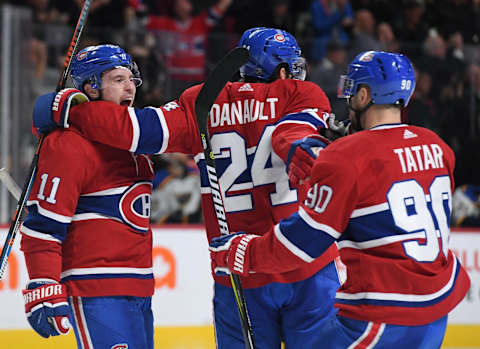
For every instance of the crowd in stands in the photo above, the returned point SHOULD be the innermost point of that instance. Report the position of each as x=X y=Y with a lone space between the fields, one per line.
x=176 y=43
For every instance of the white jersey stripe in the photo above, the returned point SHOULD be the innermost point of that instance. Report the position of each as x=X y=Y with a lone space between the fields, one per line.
x=38 y=235
x=111 y=191
x=55 y=216
x=166 y=134
x=136 y=129
x=88 y=216
x=400 y=296
x=205 y=190
x=299 y=122
x=315 y=225
x=369 y=210
x=380 y=242
x=106 y=270
x=198 y=157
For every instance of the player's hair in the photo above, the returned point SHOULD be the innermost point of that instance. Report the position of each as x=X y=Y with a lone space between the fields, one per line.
x=389 y=76
x=270 y=49
x=89 y=64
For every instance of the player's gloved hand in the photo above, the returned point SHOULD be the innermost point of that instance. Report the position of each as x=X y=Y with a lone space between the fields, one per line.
x=229 y=253
x=301 y=156
x=336 y=128
x=51 y=109
x=46 y=307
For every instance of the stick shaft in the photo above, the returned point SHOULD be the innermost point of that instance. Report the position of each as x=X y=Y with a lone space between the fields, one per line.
x=209 y=92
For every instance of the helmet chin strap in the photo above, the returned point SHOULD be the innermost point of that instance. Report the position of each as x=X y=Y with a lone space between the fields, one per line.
x=357 y=113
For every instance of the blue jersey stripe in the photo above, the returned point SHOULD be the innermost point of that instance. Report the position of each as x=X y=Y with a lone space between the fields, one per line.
x=305 y=117
x=151 y=131
x=37 y=222
x=308 y=239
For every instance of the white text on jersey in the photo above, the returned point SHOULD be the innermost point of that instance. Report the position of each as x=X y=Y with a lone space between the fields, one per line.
x=242 y=112
x=426 y=157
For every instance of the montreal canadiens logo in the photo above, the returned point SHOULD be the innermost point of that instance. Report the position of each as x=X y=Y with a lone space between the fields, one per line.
x=366 y=57
x=279 y=37
x=135 y=206
x=81 y=55
x=120 y=346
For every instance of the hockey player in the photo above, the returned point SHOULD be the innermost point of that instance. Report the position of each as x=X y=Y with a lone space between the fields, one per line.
x=384 y=194
x=258 y=127
x=86 y=240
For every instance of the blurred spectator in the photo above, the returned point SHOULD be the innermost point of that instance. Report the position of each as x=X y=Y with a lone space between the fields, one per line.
x=382 y=10
x=326 y=75
x=43 y=11
x=102 y=14
x=466 y=206
x=332 y=21
x=411 y=28
x=363 y=35
x=386 y=38
x=455 y=46
x=182 y=40
x=449 y=16
x=442 y=68
x=472 y=33
x=421 y=108
x=280 y=16
x=38 y=51
x=471 y=100
x=176 y=195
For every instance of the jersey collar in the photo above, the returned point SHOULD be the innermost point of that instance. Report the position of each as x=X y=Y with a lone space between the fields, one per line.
x=387 y=126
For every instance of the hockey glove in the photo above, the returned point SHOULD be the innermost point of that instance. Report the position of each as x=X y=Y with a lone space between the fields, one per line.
x=51 y=109
x=46 y=307
x=336 y=129
x=301 y=156
x=229 y=253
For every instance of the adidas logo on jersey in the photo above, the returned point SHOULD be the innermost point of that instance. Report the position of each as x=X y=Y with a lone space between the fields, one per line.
x=408 y=134
x=245 y=88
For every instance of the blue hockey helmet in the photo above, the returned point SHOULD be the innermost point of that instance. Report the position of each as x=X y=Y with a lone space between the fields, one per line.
x=390 y=76
x=89 y=64
x=268 y=48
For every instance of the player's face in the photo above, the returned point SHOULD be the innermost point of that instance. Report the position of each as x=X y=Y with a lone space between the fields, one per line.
x=353 y=103
x=119 y=86
x=357 y=102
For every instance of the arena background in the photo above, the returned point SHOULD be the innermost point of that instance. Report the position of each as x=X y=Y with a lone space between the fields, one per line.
x=441 y=37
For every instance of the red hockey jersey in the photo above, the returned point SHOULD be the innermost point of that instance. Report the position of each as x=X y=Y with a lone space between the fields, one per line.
x=245 y=121
x=88 y=220
x=385 y=195
x=184 y=44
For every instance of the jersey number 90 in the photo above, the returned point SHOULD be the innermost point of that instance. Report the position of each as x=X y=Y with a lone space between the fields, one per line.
x=416 y=213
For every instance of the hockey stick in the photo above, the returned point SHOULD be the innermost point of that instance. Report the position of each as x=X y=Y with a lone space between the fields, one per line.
x=10 y=183
x=209 y=92
x=16 y=219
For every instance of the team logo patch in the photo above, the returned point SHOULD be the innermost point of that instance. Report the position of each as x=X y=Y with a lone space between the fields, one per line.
x=366 y=57
x=81 y=55
x=279 y=37
x=135 y=206
x=120 y=346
